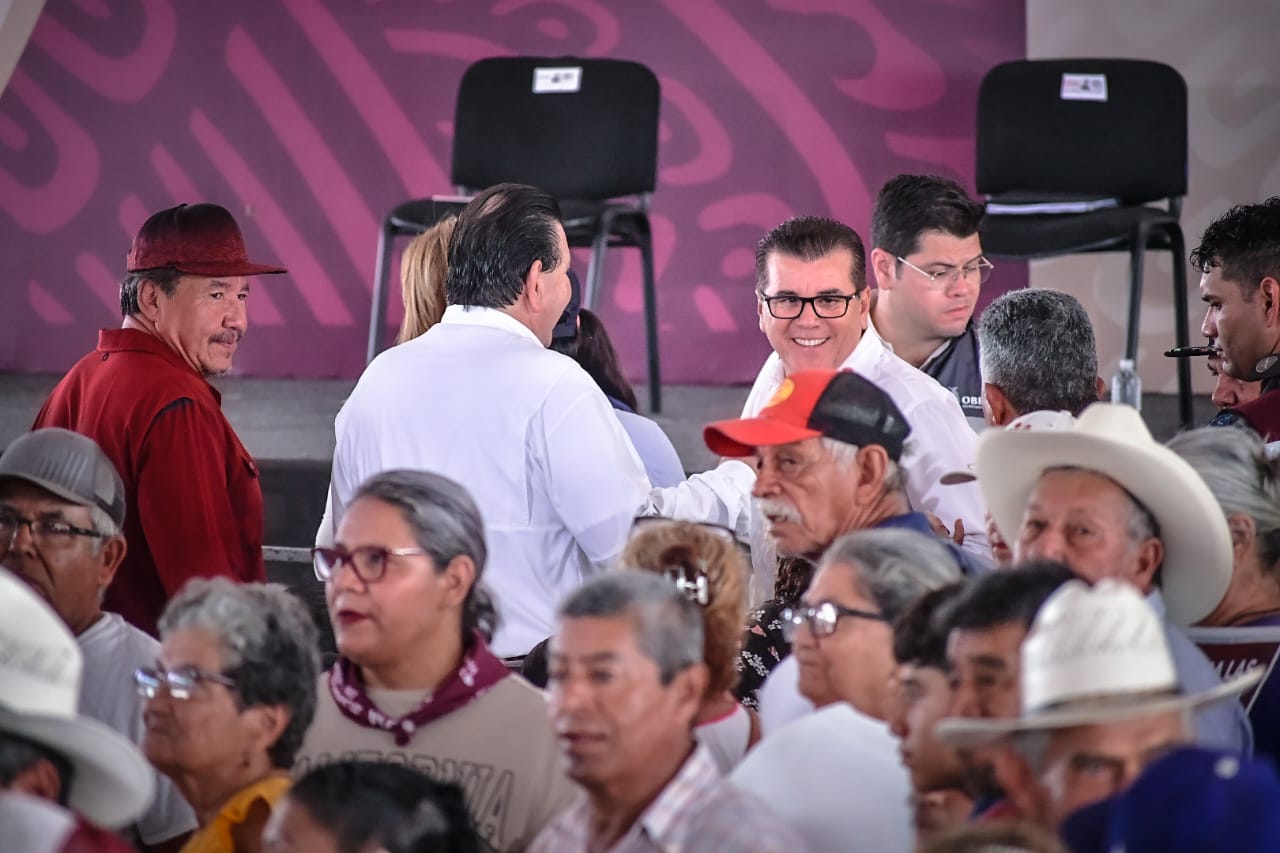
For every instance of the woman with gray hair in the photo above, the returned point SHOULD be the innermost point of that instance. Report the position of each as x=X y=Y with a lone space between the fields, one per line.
x=415 y=682
x=228 y=702
x=1245 y=480
x=1246 y=483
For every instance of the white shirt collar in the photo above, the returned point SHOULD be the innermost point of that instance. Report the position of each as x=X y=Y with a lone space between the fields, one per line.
x=493 y=318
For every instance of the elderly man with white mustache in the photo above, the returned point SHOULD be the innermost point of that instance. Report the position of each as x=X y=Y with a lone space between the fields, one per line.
x=828 y=447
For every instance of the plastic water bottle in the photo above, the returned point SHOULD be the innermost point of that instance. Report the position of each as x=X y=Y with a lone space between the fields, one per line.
x=1126 y=385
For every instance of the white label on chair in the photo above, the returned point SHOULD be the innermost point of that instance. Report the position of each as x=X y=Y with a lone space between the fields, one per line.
x=1084 y=87
x=546 y=80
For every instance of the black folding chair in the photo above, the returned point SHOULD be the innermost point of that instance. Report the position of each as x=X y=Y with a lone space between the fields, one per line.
x=1071 y=154
x=585 y=130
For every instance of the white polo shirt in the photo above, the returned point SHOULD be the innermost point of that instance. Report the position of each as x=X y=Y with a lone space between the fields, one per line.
x=941 y=440
x=479 y=399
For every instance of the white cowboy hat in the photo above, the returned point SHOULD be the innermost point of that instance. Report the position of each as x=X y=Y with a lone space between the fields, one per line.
x=1093 y=655
x=1040 y=419
x=1113 y=441
x=40 y=666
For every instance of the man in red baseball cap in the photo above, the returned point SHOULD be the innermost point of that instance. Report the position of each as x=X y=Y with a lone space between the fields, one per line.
x=195 y=505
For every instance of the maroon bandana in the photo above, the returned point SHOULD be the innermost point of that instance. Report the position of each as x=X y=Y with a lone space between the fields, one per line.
x=478 y=671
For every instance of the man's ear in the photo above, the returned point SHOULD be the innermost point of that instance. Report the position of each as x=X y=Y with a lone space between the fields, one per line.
x=690 y=687
x=40 y=780
x=149 y=296
x=998 y=410
x=1101 y=385
x=1149 y=558
x=533 y=290
x=882 y=268
x=872 y=468
x=112 y=554
x=1269 y=293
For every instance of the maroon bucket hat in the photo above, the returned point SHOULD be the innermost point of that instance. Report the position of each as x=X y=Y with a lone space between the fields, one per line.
x=196 y=239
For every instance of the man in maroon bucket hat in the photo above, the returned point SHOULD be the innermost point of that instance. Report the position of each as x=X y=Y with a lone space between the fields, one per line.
x=194 y=502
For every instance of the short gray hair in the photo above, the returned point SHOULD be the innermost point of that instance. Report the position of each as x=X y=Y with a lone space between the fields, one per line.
x=844 y=454
x=104 y=524
x=1246 y=481
x=268 y=645
x=668 y=626
x=894 y=567
x=1037 y=346
x=166 y=278
x=446 y=523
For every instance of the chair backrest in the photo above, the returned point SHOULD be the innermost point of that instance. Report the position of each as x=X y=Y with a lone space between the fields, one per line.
x=577 y=128
x=1083 y=127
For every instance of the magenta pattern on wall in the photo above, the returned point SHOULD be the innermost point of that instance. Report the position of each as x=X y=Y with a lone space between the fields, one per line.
x=311 y=119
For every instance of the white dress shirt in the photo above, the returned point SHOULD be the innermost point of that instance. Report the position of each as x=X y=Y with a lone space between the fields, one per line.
x=479 y=399
x=941 y=440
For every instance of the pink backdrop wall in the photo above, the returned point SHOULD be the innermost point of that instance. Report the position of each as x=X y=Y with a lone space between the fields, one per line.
x=311 y=119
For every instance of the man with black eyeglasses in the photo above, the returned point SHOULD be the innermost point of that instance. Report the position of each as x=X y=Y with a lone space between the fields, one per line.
x=813 y=305
x=62 y=509
x=927 y=261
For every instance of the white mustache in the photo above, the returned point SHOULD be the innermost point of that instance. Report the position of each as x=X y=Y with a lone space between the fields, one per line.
x=780 y=510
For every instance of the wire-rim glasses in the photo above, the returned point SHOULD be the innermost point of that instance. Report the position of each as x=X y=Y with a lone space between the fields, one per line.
x=950 y=275
x=181 y=683
x=822 y=618
x=368 y=561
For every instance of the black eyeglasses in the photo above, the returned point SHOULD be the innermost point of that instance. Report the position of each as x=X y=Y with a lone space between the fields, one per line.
x=828 y=306
x=822 y=618
x=368 y=561
x=181 y=682
x=47 y=532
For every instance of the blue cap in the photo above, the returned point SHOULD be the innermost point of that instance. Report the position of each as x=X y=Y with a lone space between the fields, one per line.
x=1189 y=800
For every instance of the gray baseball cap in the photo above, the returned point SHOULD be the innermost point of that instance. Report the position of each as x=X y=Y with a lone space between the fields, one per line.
x=69 y=465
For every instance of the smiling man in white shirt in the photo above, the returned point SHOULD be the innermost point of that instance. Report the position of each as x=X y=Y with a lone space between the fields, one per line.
x=480 y=399
x=813 y=305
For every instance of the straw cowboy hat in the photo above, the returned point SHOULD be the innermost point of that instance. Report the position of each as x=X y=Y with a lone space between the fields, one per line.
x=1093 y=655
x=1113 y=441
x=40 y=666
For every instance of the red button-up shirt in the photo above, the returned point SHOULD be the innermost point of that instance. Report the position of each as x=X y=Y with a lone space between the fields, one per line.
x=194 y=503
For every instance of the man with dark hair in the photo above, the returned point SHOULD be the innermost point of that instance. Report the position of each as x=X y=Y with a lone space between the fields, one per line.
x=812 y=303
x=922 y=697
x=195 y=505
x=627 y=678
x=1239 y=261
x=1038 y=354
x=927 y=260
x=480 y=399
x=985 y=626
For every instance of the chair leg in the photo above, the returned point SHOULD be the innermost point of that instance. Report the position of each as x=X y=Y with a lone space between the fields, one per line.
x=378 y=308
x=595 y=271
x=1137 y=255
x=650 y=313
x=1181 y=323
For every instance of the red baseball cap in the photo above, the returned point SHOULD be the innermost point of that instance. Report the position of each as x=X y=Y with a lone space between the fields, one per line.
x=197 y=239
x=837 y=404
